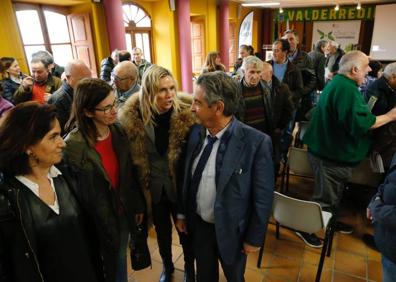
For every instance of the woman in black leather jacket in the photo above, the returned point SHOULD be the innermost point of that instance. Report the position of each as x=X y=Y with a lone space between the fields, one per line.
x=43 y=233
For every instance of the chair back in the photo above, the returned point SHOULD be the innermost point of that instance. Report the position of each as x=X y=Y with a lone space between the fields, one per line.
x=297 y=214
x=364 y=175
x=298 y=162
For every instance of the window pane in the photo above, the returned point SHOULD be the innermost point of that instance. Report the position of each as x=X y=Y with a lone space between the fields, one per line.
x=29 y=50
x=145 y=22
x=138 y=40
x=146 y=47
x=128 y=40
x=62 y=54
x=57 y=27
x=29 y=26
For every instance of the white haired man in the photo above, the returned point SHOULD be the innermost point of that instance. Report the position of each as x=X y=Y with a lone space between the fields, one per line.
x=338 y=137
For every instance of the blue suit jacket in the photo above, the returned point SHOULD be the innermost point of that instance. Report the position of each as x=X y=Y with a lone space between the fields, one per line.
x=245 y=184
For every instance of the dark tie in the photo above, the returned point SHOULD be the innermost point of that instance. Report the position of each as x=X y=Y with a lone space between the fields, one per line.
x=196 y=178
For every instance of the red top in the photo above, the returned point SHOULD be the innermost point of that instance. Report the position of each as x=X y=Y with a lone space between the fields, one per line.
x=38 y=93
x=109 y=160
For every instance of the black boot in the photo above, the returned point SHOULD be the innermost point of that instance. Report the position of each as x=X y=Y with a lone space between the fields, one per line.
x=189 y=272
x=167 y=272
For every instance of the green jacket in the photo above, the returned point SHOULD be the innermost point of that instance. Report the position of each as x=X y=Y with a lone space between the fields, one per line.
x=23 y=95
x=101 y=201
x=339 y=129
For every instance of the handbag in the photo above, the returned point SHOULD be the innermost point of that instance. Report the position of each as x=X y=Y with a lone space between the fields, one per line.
x=140 y=253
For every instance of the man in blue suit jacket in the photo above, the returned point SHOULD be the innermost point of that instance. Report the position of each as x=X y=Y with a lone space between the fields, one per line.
x=227 y=192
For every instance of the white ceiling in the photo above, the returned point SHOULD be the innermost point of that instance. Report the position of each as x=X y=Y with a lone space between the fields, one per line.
x=311 y=3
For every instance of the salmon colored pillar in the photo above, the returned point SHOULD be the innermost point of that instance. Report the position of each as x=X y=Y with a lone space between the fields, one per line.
x=224 y=32
x=115 y=24
x=185 y=55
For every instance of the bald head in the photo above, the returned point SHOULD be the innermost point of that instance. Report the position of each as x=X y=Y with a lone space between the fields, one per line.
x=75 y=71
x=266 y=74
x=355 y=65
x=125 y=75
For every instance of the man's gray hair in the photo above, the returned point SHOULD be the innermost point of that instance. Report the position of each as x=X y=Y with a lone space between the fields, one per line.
x=252 y=61
x=350 y=60
x=44 y=57
x=334 y=43
x=218 y=86
x=390 y=70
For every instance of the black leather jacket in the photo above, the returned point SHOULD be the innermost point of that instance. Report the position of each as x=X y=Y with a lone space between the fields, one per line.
x=19 y=248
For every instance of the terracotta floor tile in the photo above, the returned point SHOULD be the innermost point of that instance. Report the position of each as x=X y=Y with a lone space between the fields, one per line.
x=352 y=244
x=350 y=263
x=289 y=250
x=311 y=257
x=284 y=268
x=254 y=276
x=252 y=260
x=373 y=255
x=374 y=269
x=341 y=277
x=308 y=274
x=269 y=278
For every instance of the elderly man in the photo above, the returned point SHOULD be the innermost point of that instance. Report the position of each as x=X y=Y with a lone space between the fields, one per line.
x=267 y=103
x=282 y=109
x=304 y=63
x=228 y=185
x=139 y=62
x=334 y=56
x=75 y=71
x=40 y=85
x=381 y=96
x=338 y=138
x=125 y=77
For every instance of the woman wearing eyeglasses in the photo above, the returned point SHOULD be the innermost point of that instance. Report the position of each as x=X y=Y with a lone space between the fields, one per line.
x=97 y=149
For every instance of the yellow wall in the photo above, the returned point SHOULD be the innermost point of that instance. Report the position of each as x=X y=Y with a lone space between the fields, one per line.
x=11 y=42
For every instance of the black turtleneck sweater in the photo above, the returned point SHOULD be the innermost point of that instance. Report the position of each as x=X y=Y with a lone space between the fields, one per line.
x=161 y=130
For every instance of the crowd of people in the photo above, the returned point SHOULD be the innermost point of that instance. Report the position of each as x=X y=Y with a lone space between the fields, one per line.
x=87 y=161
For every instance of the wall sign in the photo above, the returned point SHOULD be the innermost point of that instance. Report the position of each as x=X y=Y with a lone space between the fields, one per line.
x=327 y=14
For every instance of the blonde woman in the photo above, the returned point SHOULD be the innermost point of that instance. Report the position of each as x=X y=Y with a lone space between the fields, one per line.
x=157 y=122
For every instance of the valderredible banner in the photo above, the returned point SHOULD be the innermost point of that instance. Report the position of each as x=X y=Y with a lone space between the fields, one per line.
x=344 y=32
x=327 y=14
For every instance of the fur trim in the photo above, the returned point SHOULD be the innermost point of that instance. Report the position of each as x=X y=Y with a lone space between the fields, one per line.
x=180 y=125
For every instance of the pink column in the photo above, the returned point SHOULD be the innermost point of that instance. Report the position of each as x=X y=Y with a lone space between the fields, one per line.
x=184 y=33
x=224 y=32
x=115 y=24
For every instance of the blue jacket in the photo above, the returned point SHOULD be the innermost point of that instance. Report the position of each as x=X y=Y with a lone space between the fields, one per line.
x=245 y=185
x=383 y=210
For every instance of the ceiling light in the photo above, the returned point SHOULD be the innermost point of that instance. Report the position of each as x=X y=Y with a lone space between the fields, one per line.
x=359 y=6
x=280 y=10
x=337 y=7
x=263 y=4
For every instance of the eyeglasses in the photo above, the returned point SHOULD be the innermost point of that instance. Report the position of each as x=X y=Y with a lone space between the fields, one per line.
x=107 y=109
x=114 y=77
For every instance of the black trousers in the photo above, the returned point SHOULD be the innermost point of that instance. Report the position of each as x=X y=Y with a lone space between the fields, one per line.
x=207 y=255
x=162 y=213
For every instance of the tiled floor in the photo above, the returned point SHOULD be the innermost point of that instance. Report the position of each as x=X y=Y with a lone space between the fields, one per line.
x=288 y=259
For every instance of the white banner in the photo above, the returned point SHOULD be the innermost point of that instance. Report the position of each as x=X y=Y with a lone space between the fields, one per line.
x=246 y=31
x=344 y=32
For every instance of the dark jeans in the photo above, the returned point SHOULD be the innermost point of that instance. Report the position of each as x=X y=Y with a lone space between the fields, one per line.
x=207 y=255
x=330 y=179
x=162 y=213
